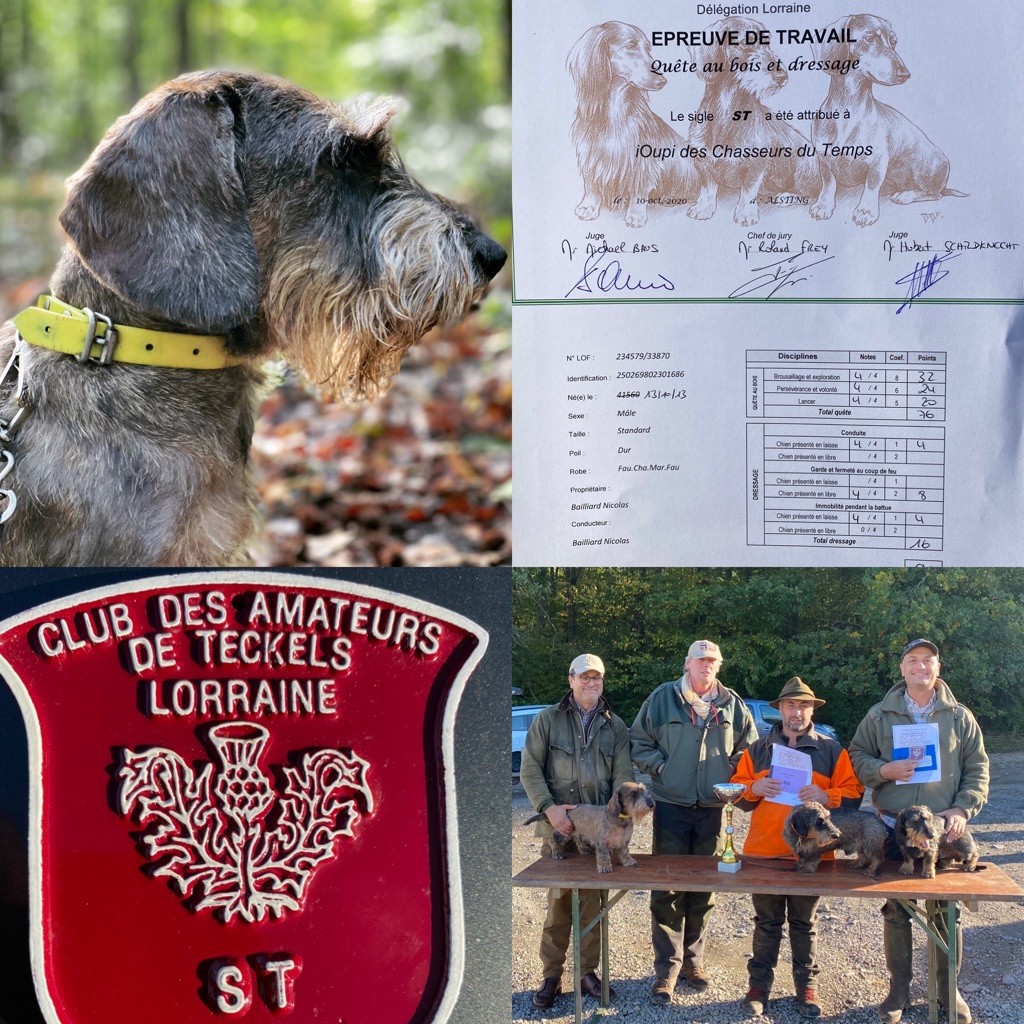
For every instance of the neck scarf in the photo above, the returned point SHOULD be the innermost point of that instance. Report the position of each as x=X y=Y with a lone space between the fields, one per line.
x=701 y=707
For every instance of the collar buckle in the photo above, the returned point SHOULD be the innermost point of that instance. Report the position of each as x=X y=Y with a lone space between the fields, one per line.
x=107 y=341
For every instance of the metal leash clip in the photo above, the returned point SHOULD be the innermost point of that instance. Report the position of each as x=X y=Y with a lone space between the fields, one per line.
x=8 y=496
x=15 y=371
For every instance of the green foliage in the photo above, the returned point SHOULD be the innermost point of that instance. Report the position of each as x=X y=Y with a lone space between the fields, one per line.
x=69 y=68
x=841 y=630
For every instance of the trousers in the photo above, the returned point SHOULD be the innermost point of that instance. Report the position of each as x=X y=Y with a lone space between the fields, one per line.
x=554 y=940
x=679 y=919
x=770 y=914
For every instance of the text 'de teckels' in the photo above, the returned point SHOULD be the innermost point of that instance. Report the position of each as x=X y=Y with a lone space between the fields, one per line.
x=242 y=800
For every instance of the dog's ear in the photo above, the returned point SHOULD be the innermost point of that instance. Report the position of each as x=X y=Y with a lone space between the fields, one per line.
x=801 y=823
x=368 y=116
x=589 y=63
x=159 y=211
x=709 y=57
x=834 y=51
x=589 y=56
x=614 y=806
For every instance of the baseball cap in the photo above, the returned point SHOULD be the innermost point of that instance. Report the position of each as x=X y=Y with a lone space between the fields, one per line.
x=586 y=663
x=919 y=643
x=704 y=649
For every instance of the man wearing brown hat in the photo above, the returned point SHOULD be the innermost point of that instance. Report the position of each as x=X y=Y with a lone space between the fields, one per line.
x=923 y=698
x=576 y=752
x=833 y=784
x=688 y=736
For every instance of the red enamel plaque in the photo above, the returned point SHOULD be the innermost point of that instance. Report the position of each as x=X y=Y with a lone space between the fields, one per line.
x=242 y=803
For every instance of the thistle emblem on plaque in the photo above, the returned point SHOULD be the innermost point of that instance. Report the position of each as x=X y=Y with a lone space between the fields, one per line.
x=222 y=835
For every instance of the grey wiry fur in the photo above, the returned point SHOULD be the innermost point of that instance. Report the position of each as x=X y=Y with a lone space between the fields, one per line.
x=811 y=830
x=861 y=835
x=921 y=836
x=603 y=828
x=227 y=204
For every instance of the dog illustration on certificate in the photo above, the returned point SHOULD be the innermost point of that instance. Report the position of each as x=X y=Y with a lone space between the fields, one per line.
x=611 y=67
x=756 y=155
x=877 y=149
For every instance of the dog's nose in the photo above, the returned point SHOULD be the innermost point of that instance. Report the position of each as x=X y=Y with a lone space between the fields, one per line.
x=901 y=74
x=488 y=256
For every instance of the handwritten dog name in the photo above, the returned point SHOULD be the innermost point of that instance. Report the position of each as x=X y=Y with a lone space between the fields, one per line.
x=613 y=277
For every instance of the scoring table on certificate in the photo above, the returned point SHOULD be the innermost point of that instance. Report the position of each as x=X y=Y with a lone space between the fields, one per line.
x=767 y=287
x=837 y=477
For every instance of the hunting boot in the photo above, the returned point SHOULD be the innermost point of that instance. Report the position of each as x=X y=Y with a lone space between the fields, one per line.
x=899 y=957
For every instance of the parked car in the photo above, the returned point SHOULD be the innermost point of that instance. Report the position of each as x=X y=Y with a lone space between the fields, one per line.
x=765 y=716
x=522 y=717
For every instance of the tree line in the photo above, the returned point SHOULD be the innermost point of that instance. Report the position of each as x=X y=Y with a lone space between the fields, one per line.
x=840 y=630
x=68 y=68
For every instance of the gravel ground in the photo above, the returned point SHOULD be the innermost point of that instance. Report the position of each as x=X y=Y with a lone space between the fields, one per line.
x=853 y=979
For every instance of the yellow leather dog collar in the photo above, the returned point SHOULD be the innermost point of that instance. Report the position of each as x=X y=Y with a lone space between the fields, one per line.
x=91 y=337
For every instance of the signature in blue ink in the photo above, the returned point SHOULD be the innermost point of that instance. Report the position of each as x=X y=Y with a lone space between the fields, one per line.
x=775 y=276
x=926 y=274
x=612 y=277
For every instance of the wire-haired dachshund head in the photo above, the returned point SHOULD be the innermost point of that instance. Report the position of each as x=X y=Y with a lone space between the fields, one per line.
x=261 y=220
x=808 y=830
x=920 y=836
x=232 y=203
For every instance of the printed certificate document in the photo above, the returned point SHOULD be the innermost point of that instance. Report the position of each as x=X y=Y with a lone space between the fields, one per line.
x=768 y=286
x=793 y=769
x=920 y=742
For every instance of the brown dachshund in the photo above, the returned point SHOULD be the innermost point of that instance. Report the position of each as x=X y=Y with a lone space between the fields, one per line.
x=876 y=149
x=755 y=153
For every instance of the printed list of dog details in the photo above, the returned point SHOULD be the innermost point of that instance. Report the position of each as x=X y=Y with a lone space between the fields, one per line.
x=609 y=456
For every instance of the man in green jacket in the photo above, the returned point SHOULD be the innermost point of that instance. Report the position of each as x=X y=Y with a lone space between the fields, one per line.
x=576 y=752
x=688 y=736
x=958 y=795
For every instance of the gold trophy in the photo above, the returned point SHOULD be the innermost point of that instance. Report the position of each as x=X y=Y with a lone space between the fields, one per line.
x=729 y=793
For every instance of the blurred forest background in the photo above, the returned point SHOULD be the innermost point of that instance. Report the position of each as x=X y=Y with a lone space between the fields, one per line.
x=840 y=630
x=423 y=476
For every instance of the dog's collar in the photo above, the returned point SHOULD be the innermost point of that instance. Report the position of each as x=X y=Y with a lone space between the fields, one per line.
x=91 y=337
x=624 y=817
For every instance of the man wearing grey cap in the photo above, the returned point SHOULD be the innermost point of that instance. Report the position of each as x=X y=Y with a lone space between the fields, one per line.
x=688 y=736
x=958 y=795
x=576 y=752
